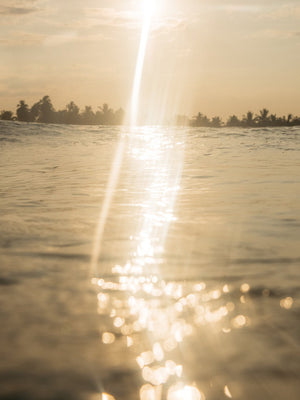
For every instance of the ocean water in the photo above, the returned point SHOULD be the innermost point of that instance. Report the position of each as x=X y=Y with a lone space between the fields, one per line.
x=192 y=290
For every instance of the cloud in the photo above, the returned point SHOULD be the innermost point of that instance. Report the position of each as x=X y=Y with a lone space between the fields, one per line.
x=19 y=7
x=285 y=12
x=23 y=39
x=247 y=8
x=72 y=37
x=171 y=24
x=17 y=10
x=110 y=17
x=58 y=39
x=55 y=26
x=276 y=34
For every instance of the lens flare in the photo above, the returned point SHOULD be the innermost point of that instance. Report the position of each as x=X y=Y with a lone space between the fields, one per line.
x=149 y=7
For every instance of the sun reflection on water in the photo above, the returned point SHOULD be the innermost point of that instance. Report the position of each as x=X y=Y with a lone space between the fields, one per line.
x=154 y=315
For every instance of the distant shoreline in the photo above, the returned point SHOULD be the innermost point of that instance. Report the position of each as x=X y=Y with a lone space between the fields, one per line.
x=44 y=112
x=224 y=126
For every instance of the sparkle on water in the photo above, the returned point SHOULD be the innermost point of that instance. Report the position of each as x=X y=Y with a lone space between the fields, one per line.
x=137 y=300
x=146 y=310
x=149 y=311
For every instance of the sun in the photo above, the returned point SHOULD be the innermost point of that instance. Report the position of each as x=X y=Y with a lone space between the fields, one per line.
x=149 y=7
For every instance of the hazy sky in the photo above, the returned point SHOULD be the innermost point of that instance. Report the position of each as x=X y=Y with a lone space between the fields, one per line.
x=214 y=56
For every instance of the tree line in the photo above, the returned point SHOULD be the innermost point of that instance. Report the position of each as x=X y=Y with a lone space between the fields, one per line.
x=43 y=111
x=249 y=120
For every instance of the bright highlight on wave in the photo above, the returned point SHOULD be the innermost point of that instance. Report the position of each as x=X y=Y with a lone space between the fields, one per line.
x=149 y=313
x=154 y=315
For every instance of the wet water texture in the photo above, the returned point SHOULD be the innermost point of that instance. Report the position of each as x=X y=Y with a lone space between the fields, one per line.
x=194 y=290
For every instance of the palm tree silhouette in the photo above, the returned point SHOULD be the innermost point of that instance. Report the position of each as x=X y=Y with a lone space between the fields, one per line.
x=263 y=118
x=249 y=119
x=233 y=121
x=23 y=113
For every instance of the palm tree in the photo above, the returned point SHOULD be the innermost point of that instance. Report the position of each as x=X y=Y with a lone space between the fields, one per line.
x=216 y=122
x=289 y=119
x=46 y=112
x=87 y=116
x=200 y=120
x=6 y=115
x=35 y=111
x=72 y=113
x=23 y=113
x=295 y=121
x=249 y=119
x=233 y=121
x=106 y=115
x=263 y=118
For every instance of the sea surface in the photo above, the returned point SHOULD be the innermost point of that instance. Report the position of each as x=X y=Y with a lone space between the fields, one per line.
x=157 y=264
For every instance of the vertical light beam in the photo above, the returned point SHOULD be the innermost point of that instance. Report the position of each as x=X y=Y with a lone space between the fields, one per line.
x=148 y=8
x=111 y=186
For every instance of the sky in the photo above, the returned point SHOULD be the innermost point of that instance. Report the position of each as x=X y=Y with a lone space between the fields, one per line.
x=218 y=57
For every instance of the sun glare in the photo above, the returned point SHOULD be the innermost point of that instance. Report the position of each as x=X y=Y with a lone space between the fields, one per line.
x=149 y=8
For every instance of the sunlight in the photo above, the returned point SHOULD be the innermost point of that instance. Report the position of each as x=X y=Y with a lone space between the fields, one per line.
x=154 y=315
x=151 y=313
x=149 y=7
